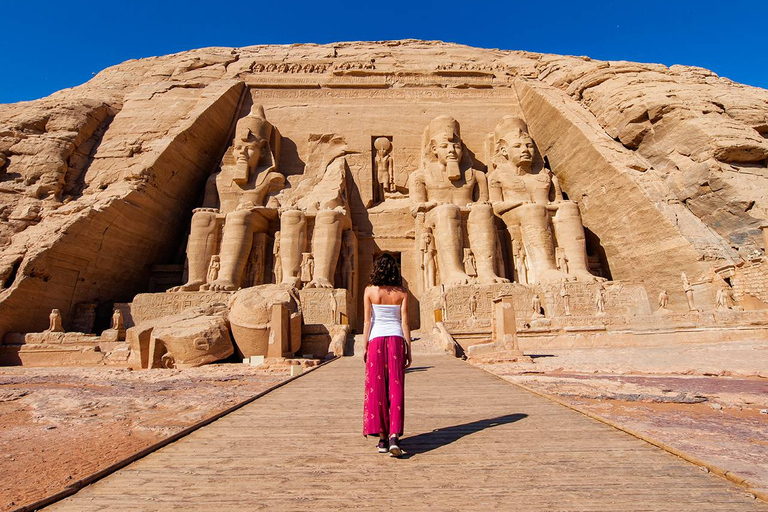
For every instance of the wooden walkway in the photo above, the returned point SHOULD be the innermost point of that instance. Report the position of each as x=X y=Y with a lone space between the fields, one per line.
x=474 y=443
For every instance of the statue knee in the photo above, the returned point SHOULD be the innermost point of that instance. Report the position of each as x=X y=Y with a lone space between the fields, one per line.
x=239 y=218
x=568 y=209
x=328 y=217
x=291 y=218
x=480 y=212
x=203 y=220
x=448 y=212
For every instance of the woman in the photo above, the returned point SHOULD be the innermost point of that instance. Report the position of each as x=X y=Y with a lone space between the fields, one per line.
x=387 y=354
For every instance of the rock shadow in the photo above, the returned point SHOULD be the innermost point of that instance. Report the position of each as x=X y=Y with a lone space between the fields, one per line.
x=429 y=441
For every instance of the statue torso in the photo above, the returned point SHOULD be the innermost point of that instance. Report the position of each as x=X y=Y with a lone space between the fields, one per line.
x=444 y=191
x=526 y=187
x=232 y=194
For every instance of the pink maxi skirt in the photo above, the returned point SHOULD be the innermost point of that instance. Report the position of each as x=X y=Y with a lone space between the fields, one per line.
x=384 y=407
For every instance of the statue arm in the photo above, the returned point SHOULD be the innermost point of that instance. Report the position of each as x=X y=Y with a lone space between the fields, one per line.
x=211 y=196
x=418 y=188
x=558 y=190
x=482 y=186
x=495 y=192
x=419 y=194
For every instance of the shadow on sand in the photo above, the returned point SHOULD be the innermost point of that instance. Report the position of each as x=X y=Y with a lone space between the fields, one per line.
x=413 y=369
x=429 y=441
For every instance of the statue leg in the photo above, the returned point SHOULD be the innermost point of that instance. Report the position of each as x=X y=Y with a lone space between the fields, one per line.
x=448 y=241
x=482 y=240
x=569 y=231
x=203 y=238
x=326 y=245
x=236 y=245
x=538 y=243
x=293 y=242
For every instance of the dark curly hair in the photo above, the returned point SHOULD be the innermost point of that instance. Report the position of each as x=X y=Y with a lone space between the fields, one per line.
x=386 y=272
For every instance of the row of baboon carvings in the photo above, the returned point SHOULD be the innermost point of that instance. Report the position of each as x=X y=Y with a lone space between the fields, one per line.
x=449 y=198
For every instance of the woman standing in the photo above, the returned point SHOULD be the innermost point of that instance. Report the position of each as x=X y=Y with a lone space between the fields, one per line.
x=387 y=354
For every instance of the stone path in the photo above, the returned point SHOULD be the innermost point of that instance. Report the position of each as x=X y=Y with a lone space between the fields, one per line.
x=474 y=443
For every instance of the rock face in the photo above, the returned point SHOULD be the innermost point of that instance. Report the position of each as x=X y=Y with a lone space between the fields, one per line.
x=98 y=183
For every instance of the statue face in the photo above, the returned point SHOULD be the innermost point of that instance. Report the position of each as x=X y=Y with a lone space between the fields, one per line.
x=248 y=152
x=519 y=151
x=447 y=150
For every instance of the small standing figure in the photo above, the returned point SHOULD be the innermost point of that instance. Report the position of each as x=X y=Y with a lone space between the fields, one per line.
x=688 y=289
x=518 y=253
x=600 y=300
x=335 y=309
x=307 y=267
x=213 y=268
x=566 y=299
x=348 y=268
x=470 y=265
x=723 y=299
x=536 y=307
x=277 y=265
x=443 y=303
x=385 y=168
x=117 y=321
x=473 y=305
x=562 y=261
x=663 y=302
x=55 y=321
x=428 y=253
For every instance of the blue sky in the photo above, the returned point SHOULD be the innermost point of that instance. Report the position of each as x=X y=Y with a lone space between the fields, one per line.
x=49 y=45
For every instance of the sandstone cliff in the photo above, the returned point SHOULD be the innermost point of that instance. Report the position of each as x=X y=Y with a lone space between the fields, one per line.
x=97 y=183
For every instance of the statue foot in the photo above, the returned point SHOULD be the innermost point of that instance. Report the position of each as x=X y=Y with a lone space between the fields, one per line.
x=319 y=282
x=491 y=279
x=222 y=285
x=291 y=280
x=192 y=286
x=554 y=276
x=457 y=278
x=586 y=276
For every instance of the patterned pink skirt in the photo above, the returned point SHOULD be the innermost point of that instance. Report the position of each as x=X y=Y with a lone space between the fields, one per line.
x=384 y=407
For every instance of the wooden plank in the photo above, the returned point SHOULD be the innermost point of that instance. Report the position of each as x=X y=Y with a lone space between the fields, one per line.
x=474 y=442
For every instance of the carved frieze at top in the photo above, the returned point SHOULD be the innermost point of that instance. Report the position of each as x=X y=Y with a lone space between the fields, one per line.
x=291 y=67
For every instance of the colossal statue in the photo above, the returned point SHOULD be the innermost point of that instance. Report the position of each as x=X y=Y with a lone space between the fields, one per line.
x=322 y=197
x=445 y=187
x=248 y=174
x=533 y=209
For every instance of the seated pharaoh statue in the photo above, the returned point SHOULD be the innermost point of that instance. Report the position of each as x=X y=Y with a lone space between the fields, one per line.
x=541 y=223
x=443 y=188
x=234 y=197
x=321 y=197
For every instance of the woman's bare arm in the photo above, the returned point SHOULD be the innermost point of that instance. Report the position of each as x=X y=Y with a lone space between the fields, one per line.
x=366 y=321
x=406 y=329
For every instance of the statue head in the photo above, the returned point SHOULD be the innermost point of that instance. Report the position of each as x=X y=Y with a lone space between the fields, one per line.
x=252 y=135
x=445 y=145
x=513 y=144
x=383 y=146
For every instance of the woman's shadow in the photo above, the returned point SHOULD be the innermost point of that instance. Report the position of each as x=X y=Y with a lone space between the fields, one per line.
x=429 y=441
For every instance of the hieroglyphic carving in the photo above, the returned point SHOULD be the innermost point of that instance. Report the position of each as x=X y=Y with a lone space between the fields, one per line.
x=148 y=306
x=324 y=305
x=290 y=67
x=384 y=94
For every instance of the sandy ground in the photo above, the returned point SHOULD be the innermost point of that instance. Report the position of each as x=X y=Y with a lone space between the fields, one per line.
x=58 y=425
x=710 y=401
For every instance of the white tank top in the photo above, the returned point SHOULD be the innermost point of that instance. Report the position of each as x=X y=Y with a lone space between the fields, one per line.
x=386 y=321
